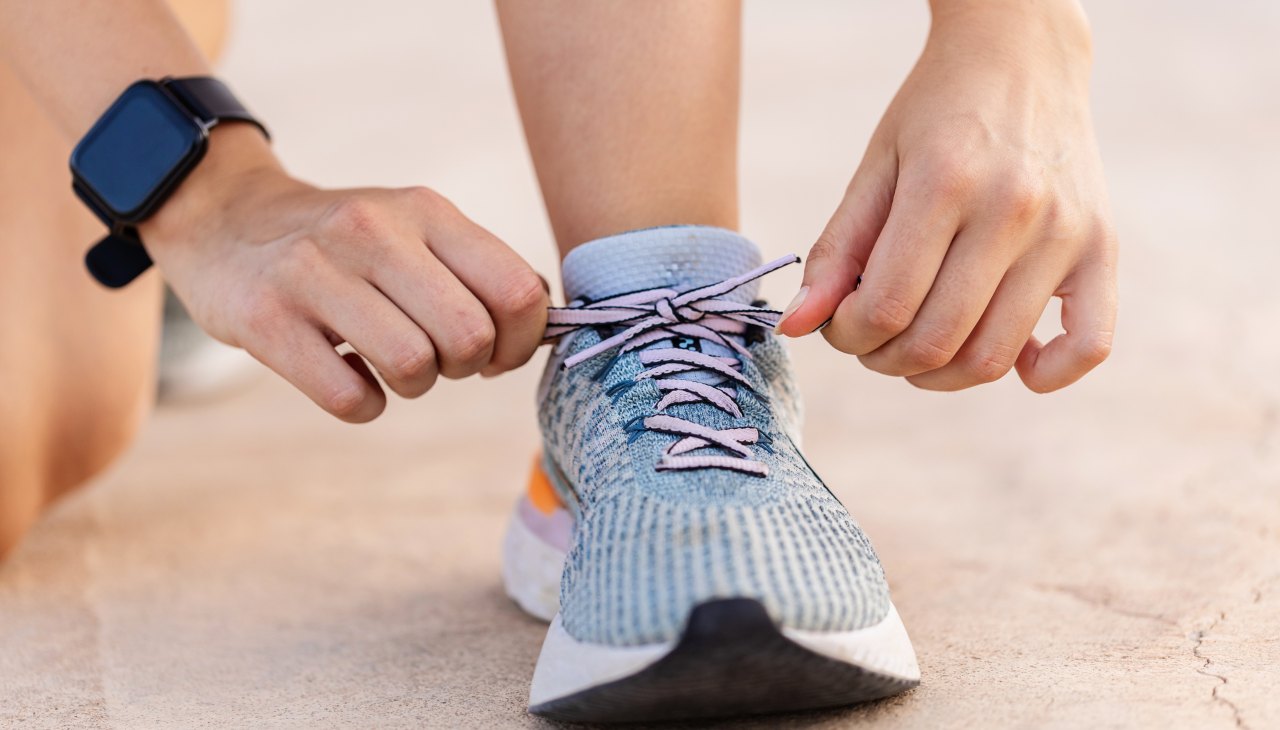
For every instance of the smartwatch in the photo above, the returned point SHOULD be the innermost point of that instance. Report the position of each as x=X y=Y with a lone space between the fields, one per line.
x=136 y=155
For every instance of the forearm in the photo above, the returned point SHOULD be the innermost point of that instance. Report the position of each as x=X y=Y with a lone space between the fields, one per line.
x=76 y=56
x=1054 y=29
x=980 y=198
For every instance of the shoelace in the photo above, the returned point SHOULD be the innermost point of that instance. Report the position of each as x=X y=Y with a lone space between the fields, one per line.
x=653 y=315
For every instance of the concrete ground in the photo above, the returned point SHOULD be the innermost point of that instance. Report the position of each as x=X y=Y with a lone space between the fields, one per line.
x=1108 y=556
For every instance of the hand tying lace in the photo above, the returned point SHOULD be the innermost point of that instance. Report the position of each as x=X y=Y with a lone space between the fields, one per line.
x=682 y=375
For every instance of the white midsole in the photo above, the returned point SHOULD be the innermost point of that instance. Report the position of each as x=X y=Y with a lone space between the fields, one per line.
x=567 y=666
x=531 y=568
x=531 y=572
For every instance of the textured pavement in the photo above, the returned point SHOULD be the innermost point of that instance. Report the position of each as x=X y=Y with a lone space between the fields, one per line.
x=1108 y=556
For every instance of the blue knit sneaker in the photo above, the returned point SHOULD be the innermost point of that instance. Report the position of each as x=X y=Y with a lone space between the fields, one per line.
x=707 y=570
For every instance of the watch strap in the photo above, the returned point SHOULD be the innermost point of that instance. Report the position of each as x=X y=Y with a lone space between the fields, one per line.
x=210 y=100
x=118 y=258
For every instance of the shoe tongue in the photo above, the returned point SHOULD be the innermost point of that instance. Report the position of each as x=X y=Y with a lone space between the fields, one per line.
x=674 y=257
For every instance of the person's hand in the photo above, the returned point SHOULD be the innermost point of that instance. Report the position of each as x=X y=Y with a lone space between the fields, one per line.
x=288 y=272
x=980 y=197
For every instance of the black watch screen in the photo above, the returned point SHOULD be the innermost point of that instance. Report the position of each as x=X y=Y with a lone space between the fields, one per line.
x=137 y=151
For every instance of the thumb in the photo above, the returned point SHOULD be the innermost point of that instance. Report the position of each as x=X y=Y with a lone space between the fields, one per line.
x=836 y=260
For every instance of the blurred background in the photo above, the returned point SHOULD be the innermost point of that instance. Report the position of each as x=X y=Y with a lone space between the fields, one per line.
x=1106 y=556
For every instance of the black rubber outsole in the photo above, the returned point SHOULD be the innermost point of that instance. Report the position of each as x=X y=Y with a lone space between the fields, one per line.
x=731 y=660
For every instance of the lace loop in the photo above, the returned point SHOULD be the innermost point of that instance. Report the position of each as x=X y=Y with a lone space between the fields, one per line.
x=682 y=375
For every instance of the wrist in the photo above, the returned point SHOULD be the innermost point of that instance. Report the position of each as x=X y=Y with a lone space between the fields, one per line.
x=238 y=156
x=1056 y=31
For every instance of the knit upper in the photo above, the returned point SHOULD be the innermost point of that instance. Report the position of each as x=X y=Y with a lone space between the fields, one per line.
x=649 y=544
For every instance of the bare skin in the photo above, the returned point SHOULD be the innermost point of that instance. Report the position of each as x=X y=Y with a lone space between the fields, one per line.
x=79 y=359
x=630 y=111
x=262 y=260
x=274 y=265
x=981 y=196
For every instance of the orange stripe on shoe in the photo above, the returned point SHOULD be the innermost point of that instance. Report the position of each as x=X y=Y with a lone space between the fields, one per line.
x=541 y=494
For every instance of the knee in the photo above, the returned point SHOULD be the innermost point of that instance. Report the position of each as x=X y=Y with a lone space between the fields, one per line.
x=90 y=439
x=11 y=532
x=61 y=455
x=20 y=504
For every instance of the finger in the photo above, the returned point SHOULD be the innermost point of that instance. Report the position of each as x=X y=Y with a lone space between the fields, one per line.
x=1089 y=301
x=993 y=347
x=901 y=267
x=836 y=260
x=383 y=334
x=514 y=295
x=300 y=353
x=358 y=364
x=456 y=322
x=969 y=276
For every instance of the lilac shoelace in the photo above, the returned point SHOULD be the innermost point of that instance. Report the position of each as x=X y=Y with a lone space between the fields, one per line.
x=653 y=315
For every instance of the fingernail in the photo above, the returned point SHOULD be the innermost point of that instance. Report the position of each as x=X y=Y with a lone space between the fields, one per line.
x=792 y=307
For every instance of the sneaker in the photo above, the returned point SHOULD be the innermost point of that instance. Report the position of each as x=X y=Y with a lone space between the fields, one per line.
x=690 y=561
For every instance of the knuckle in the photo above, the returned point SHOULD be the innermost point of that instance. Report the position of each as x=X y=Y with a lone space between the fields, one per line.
x=926 y=352
x=990 y=363
x=1022 y=197
x=1039 y=385
x=524 y=296
x=473 y=345
x=357 y=216
x=950 y=176
x=825 y=248
x=1093 y=350
x=889 y=312
x=263 y=315
x=413 y=362
x=424 y=197
x=344 y=401
x=1062 y=224
x=835 y=336
x=300 y=259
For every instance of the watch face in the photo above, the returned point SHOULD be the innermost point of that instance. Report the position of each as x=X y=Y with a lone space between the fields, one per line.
x=140 y=147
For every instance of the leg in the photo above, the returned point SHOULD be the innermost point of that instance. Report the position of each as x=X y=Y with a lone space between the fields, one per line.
x=684 y=550
x=77 y=360
x=630 y=111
